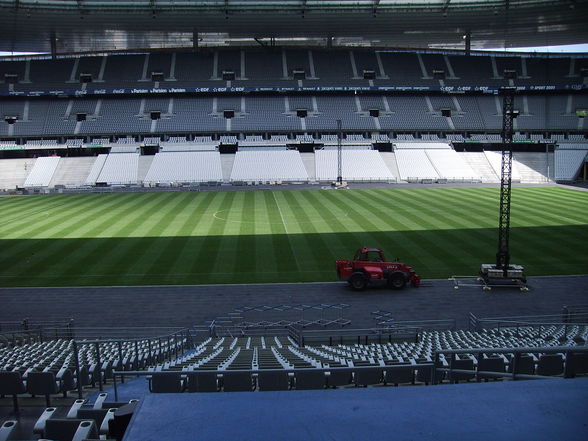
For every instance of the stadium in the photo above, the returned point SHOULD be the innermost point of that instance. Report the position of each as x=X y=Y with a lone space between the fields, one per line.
x=181 y=183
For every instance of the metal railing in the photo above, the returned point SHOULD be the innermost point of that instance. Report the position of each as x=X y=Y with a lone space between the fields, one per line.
x=565 y=319
x=176 y=343
x=331 y=337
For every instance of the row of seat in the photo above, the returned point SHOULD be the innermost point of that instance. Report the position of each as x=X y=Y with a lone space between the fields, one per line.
x=463 y=367
x=82 y=421
x=52 y=367
x=302 y=379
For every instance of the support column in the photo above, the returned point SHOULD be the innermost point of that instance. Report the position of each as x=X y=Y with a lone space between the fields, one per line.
x=468 y=42
x=53 y=42
x=194 y=40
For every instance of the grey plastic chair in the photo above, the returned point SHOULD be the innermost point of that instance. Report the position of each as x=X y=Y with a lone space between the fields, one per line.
x=463 y=364
x=166 y=383
x=339 y=378
x=43 y=383
x=580 y=363
x=401 y=375
x=273 y=380
x=11 y=384
x=369 y=376
x=237 y=381
x=70 y=430
x=490 y=364
x=550 y=364
x=524 y=365
x=202 y=382
x=310 y=380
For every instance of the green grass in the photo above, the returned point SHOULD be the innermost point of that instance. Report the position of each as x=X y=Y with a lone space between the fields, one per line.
x=280 y=236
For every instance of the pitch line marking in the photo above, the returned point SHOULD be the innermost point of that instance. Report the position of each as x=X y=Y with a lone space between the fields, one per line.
x=280 y=211
x=217 y=215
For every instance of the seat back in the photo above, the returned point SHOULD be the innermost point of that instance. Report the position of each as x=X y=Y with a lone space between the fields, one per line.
x=11 y=383
x=202 y=382
x=237 y=381
x=580 y=363
x=401 y=375
x=42 y=383
x=524 y=365
x=339 y=378
x=463 y=364
x=310 y=380
x=69 y=429
x=92 y=414
x=365 y=377
x=273 y=380
x=550 y=364
x=165 y=383
x=490 y=364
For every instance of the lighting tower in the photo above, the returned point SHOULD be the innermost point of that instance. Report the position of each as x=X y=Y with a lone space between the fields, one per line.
x=503 y=272
x=339 y=154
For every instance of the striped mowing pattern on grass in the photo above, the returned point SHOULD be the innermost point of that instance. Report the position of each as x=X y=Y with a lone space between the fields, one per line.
x=280 y=236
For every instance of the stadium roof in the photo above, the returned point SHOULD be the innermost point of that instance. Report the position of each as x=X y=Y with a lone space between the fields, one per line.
x=96 y=25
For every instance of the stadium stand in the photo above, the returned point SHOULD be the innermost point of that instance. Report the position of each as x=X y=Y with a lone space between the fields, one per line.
x=42 y=172
x=358 y=164
x=494 y=158
x=184 y=167
x=122 y=116
x=96 y=169
x=568 y=161
x=72 y=172
x=414 y=165
x=13 y=172
x=120 y=169
x=450 y=165
x=268 y=166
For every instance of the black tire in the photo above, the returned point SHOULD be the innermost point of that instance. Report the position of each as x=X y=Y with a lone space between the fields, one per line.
x=358 y=282
x=397 y=280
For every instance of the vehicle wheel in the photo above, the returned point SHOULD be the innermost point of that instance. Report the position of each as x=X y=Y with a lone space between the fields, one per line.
x=358 y=282
x=396 y=280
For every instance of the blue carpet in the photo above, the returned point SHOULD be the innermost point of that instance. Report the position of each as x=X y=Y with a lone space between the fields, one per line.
x=132 y=388
x=524 y=410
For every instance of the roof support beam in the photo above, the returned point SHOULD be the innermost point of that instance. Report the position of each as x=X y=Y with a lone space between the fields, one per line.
x=375 y=7
x=446 y=6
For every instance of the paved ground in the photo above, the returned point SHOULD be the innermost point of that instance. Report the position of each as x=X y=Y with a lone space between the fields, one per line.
x=190 y=305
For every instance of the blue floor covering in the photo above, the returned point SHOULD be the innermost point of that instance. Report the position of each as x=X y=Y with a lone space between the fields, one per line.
x=523 y=410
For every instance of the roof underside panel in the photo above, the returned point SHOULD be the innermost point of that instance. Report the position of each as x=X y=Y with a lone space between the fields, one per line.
x=26 y=25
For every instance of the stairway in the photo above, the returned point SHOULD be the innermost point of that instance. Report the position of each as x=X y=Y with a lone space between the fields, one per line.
x=144 y=165
x=309 y=165
x=479 y=163
x=389 y=159
x=533 y=167
x=227 y=161
x=72 y=172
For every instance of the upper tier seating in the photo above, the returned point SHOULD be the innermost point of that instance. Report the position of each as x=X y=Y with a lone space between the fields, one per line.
x=268 y=165
x=168 y=167
x=262 y=68
x=120 y=116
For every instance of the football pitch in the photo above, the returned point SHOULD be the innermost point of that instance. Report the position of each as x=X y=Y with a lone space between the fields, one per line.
x=280 y=236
